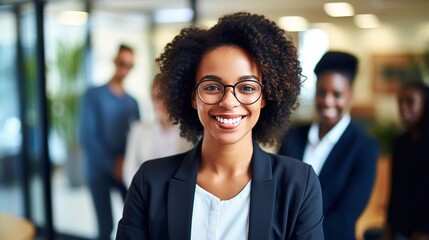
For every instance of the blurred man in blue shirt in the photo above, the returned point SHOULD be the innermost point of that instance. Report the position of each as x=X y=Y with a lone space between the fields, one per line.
x=106 y=113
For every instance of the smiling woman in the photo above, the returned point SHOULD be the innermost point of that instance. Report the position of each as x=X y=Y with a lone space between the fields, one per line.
x=231 y=88
x=342 y=154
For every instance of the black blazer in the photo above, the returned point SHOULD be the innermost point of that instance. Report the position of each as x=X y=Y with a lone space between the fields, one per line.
x=346 y=178
x=285 y=199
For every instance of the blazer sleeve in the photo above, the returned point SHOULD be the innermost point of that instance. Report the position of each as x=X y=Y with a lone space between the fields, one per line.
x=133 y=224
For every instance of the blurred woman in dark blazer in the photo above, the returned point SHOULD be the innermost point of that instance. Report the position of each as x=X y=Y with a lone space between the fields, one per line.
x=342 y=154
x=408 y=211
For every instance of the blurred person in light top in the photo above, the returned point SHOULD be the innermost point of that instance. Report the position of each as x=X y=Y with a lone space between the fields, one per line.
x=154 y=139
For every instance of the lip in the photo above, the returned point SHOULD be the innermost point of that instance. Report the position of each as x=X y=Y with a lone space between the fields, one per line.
x=328 y=112
x=228 y=121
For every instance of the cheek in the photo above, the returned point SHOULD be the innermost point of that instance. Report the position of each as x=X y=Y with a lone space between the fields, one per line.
x=200 y=107
x=418 y=112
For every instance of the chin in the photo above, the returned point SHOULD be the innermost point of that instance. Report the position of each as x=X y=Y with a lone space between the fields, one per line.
x=330 y=121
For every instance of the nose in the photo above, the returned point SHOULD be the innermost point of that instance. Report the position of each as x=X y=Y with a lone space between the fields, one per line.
x=326 y=99
x=229 y=100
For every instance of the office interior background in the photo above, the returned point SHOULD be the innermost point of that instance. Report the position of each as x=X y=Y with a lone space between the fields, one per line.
x=50 y=51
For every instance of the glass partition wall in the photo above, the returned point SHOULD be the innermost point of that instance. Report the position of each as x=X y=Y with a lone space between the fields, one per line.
x=23 y=188
x=51 y=51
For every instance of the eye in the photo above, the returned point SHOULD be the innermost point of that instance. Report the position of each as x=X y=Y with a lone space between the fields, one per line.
x=337 y=95
x=247 y=87
x=320 y=93
x=212 y=87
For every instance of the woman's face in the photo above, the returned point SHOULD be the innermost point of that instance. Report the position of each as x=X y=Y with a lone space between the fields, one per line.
x=333 y=97
x=411 y=104
x=228 y=121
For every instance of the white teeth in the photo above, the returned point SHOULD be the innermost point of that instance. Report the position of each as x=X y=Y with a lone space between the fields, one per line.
x=329 y=112
x=229 y=120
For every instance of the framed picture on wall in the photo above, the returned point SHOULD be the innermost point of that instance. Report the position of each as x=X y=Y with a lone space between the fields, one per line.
x=392 y=69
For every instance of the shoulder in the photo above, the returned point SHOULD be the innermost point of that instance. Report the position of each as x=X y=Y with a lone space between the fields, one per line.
x=295 y=135
x=142 y=126
x=160 y=170
x=360 y=144
x=400 y=139
x=297 y=130
x=130 y=97
x=139 y=128
x=359 y=134
x=94 y=91
x=290 y=169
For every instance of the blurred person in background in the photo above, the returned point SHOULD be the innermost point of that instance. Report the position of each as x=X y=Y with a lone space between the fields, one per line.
x=106 y=114
x=342 y=154
x=151 y=140
x=408 y=210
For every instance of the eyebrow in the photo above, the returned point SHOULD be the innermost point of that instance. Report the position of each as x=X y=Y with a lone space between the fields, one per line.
x=242 y=78
x=249 y=77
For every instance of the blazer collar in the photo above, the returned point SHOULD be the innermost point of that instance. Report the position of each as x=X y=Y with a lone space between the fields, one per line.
x=182 y=188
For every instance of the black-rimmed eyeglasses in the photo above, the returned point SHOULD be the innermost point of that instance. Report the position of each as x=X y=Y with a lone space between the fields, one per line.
x=212 y=92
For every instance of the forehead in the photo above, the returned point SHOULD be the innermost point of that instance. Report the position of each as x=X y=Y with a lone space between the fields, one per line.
x=333 y=80
x=414 y=92
x=227 y=62
x=125 y=54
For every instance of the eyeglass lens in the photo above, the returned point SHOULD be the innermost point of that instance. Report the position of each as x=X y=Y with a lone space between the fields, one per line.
x=246 y=92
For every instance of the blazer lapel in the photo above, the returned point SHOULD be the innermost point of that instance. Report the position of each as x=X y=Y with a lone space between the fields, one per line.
x=181 y=196
x=338 y=153
x=261 y=195
x=301 y=141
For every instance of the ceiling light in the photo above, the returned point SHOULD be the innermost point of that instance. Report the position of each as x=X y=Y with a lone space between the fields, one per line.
x=73 y=17
x=366 y=21
x=174 y=15
x=293 y=23
x=339 y=9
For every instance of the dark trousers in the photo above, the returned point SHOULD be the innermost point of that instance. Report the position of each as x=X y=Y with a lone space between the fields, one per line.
x=100 y=192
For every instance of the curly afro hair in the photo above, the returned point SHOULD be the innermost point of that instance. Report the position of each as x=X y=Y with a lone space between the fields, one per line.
x=267 y=44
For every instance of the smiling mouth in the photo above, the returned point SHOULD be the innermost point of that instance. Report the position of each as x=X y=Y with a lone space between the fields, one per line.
x=234 y=120
x=328 y=112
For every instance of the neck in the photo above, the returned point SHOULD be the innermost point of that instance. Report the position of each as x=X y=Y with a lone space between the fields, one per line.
x=324 y=129
x=116 y=86
x=165 y=124
x=415 y=133
x=228 y=160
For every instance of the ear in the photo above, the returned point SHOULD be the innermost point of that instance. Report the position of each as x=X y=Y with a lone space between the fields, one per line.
x=194 y=101
x=263 y=102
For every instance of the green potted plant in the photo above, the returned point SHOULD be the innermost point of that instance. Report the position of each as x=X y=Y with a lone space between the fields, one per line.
x=64 y=104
